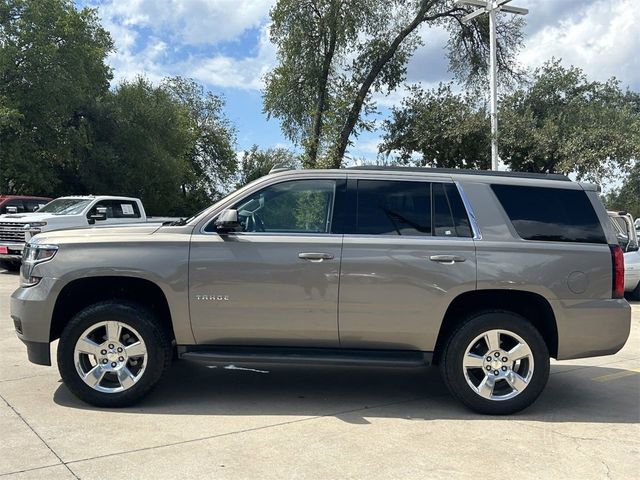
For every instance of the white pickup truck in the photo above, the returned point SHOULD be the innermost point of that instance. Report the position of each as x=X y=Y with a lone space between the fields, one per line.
x=63 y=213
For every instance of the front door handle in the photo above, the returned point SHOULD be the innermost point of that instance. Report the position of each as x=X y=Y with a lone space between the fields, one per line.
x=315 y=257
x=448 y=259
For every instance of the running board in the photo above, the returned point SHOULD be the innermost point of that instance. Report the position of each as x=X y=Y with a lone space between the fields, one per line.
x=216 y=355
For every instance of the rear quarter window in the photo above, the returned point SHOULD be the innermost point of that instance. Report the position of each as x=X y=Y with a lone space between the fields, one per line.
x=550 y=214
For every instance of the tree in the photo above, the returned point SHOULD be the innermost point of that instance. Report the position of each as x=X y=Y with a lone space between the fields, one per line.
x=212 y=157
x=564 y=123
x=257 y=163
x=170 y=145
x=140 y=148
x=628 y=196
x=449 y=130
x=52 y=71
x=330 y=63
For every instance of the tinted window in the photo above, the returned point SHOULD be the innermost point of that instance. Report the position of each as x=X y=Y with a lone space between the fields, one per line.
x=393 y=207
x=302 y=206
x=449 y=215
x=550 y=214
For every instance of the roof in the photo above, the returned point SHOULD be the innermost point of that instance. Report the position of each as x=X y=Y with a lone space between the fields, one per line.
x=98 y=197
x=23 y=197
x=465 y=171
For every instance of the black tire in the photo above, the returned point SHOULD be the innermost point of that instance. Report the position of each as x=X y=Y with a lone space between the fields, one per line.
x=635 y=294
x=158 y=350
x=476 y=324
x=10 y=265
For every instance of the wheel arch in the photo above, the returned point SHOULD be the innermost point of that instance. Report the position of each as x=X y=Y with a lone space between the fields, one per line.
x=83 y=292
x=532 y=306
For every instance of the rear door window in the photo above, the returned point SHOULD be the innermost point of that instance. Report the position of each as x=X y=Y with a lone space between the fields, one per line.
x=550 y=214
x=119 y=208
x=393 y=208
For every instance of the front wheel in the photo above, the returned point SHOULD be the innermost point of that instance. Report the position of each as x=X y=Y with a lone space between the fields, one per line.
x=111 y=354
x=496 y=363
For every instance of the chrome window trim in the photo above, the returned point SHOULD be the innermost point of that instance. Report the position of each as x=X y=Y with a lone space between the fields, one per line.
x=406 y=237
x=477 y=235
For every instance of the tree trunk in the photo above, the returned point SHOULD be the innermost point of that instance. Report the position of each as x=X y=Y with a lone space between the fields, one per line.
x=311 y=159
x=354 y=112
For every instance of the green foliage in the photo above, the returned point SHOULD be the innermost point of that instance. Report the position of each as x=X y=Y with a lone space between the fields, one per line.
x=62 y=131
x=169 y=145
x=257 y=163
x=562 y=122
x=52 y=71
x=334 y=54
x=628 y=196
x=140 y=148
x=449 y=130
x=212 y=162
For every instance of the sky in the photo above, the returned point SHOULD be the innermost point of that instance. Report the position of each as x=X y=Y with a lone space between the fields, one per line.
x=224 y=45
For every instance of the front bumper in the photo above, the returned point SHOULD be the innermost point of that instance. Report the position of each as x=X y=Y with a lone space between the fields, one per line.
x=32 y=311
x=591 y=328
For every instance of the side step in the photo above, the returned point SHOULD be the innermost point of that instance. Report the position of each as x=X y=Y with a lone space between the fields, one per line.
x=216 y=355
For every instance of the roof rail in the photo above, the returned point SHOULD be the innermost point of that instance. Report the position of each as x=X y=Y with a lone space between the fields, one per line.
x=465 y=171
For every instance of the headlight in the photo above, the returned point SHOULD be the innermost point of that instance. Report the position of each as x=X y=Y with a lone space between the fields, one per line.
x=32 y=255
x=38 y=253
x=34 y=226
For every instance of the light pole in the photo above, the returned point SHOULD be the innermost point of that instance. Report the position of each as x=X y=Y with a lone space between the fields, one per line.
x=491 y=7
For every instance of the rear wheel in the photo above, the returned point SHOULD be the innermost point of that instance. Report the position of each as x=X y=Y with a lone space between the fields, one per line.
x=496 y=363
x=635 y=294
x=112 y=354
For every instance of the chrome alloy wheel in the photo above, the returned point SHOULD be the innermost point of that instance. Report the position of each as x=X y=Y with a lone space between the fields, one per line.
x=498 y=365
x=110 y=356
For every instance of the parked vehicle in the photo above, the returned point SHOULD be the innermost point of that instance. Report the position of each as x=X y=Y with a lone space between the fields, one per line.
x=632 y=274
x=21 y=203
x=625 y=230
x=63 y=213
x=392 y=267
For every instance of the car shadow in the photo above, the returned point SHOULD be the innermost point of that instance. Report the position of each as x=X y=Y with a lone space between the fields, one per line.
x=574 y=394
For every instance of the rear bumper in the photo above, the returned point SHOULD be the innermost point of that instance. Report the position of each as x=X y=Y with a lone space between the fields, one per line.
x=592 y=328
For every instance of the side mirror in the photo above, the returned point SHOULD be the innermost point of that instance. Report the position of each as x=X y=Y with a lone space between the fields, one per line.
x=228 y=221
x=98 y=215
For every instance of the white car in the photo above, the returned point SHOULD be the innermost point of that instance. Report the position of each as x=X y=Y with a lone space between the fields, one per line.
x=63 y=213
x=632 y=274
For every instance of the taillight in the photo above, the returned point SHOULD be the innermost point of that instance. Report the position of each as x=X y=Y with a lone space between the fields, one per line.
x=617 y=260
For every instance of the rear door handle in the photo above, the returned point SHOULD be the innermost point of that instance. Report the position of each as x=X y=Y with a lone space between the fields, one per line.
x=315 y=257
x=449 y=259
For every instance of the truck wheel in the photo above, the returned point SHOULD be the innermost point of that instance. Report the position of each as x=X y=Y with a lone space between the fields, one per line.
x=495 y=363
x=635 y=294
x=112 y=353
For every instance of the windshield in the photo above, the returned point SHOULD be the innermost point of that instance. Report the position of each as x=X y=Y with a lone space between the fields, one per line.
x=65 y=206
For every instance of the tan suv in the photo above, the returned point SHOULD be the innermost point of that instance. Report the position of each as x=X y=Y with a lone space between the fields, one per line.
x=486 y=275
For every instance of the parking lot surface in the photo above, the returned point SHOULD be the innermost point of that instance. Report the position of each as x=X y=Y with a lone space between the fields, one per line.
x=324 y=423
